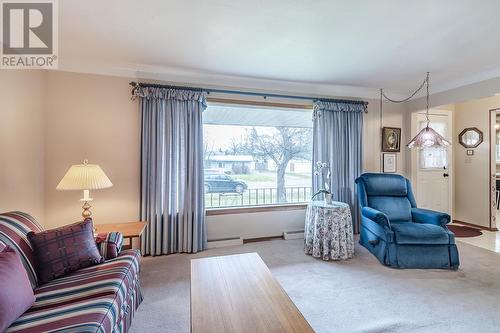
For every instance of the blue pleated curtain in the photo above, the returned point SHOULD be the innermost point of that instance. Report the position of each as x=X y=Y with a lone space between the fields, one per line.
x=338 y=141
x=172 y=195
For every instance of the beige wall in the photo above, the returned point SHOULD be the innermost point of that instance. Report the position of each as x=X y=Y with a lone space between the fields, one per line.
x=394 y=115
x=22 y=103
x=50 y=120
x=254 y=225
x=470 y=173
x=91 y=116
x=472 y=183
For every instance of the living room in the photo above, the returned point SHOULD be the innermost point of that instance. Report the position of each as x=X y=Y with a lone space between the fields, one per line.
x=227 y=166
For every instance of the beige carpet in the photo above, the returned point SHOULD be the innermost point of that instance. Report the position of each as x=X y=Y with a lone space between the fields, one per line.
x=358 y=295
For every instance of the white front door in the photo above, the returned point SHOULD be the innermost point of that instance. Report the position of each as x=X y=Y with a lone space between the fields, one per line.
x=432 y=178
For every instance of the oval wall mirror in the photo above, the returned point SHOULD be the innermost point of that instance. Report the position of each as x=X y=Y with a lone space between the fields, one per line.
x=470 y=137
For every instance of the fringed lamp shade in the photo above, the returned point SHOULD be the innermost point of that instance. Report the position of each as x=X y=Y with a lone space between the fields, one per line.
x=84 y=177
x=428 y=138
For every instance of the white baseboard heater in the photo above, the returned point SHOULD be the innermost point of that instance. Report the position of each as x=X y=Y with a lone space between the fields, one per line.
x=293 y=234
x=222 y=242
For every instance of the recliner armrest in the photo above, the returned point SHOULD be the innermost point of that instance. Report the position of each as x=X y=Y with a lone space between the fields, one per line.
x=429 y=216
x=375 y=215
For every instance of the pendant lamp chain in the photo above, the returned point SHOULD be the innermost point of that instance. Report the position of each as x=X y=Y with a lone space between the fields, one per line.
x=427 y=111
x=427 y=137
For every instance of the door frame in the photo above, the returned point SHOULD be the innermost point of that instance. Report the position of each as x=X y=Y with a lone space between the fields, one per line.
x=414 y=156
x=493 y=170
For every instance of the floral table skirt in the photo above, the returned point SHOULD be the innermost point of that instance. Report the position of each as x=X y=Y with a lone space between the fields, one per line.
x=328 y=231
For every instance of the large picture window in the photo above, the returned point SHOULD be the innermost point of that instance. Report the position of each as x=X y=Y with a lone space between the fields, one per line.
x=256 y=155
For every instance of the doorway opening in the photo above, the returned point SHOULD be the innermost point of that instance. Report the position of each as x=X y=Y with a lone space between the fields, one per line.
x=494 y=167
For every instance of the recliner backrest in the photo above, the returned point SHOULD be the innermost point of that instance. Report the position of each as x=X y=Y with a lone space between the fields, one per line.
x=389 y=193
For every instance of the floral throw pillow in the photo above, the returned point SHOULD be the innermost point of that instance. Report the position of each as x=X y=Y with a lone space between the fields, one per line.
x=64 y=250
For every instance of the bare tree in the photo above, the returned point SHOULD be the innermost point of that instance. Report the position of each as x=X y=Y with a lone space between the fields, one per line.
x=237 y=146
x=282 y=145
x=208 y=149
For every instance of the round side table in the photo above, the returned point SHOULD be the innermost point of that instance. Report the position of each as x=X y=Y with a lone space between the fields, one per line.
x=328 y=232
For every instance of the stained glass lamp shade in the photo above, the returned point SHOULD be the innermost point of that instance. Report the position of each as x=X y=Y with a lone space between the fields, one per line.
x=428 y=138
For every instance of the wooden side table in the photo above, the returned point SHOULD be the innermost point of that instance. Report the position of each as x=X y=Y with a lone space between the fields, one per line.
x=129 y=230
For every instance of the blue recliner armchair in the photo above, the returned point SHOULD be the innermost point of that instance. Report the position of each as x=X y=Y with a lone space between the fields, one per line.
x=397 y=232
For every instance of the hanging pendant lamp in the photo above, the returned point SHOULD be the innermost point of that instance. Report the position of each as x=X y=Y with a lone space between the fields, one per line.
x=427 y=137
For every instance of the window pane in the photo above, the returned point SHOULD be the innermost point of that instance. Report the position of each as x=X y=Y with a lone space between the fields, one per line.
x=256 y=156
x=434 y=158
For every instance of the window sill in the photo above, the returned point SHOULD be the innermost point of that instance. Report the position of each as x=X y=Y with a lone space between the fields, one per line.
x=254 y=209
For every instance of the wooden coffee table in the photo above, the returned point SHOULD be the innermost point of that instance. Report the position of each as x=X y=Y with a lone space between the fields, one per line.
x=238 y=293
x=129 y=230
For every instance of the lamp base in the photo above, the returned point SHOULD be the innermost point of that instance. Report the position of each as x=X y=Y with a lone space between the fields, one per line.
x=86 y=210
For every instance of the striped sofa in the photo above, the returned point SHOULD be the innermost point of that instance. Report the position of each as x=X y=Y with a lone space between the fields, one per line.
x=101 y=298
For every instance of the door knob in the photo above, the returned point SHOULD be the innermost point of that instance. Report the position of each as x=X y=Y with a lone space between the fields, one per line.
x=445 y=175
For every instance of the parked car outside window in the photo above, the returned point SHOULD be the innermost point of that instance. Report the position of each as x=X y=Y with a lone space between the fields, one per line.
x=222 y=183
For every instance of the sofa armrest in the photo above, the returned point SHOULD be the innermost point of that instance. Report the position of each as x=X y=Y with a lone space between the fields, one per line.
x=376 y=216
x=429 y=216
x=109 y=244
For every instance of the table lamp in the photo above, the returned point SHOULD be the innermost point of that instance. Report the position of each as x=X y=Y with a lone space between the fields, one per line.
x=84 y=177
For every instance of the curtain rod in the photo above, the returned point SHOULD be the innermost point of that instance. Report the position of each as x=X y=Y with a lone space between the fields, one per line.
x=238 y=92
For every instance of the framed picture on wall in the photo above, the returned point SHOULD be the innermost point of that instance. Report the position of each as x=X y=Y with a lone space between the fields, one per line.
x=391 y=139
x=389 y=163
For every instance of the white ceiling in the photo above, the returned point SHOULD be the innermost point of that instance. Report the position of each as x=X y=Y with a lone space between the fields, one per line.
x=361 y=43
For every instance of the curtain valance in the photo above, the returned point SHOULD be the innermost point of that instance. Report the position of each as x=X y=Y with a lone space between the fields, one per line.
x=170 y=93
x=346 y=106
